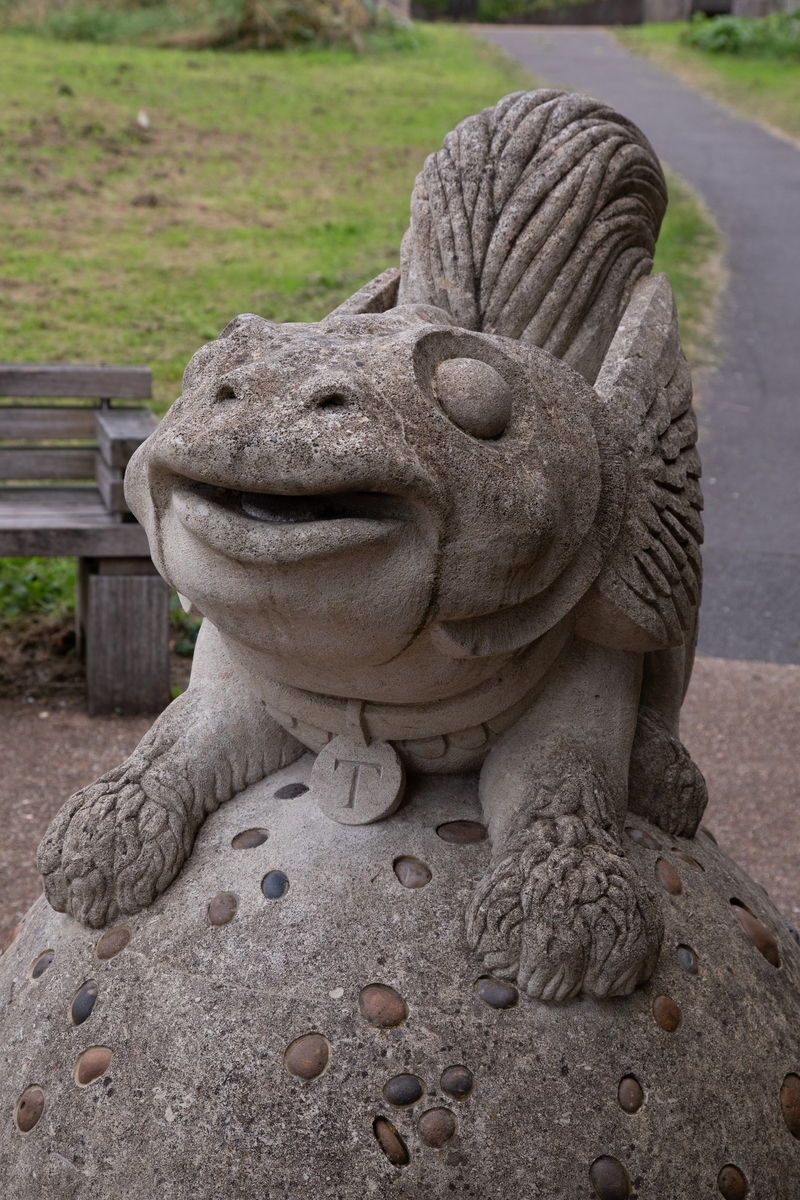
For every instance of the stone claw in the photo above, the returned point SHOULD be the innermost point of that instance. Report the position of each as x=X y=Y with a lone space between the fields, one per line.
x=114 y=847
x=565 y=914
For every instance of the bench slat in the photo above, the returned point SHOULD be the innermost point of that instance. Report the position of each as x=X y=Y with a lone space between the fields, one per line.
x=25 y=421
x=64 y=380
x=65 y=521
x=46 y=463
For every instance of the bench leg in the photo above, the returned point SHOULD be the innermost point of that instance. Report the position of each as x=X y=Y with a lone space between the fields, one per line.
x=126 y=635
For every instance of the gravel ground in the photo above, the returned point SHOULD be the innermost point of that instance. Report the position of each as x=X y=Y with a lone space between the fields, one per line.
x=741 y=723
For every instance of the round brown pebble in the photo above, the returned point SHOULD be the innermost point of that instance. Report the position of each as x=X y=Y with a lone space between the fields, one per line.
x=382 y=1006
x=307 y=1056
x=412 y=872
x=642 y=838
x=462 y=833
x=762 y=938
x=248 y=839
x=90 y=1065
x=390 y=1141
x=29 y=1108
x=790 y=1104
x=112 y=943
x=40 y=964
x=688 y=960
x=457 y=1082
x=436 y=1127
x=402 y=1090
x=609 y=1178
x=222 y=909
x=630 y=1094
x=732 y=1183
x=667 y=1013
x=496 y=992
x=687 y=858
x=668 y=877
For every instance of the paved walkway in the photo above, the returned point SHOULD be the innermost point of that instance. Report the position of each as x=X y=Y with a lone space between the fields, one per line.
x=751 y=407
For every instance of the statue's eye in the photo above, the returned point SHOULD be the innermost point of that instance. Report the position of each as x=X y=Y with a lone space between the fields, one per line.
x=474 y=396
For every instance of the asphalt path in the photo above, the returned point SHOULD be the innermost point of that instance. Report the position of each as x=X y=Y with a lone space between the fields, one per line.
x=750 y=419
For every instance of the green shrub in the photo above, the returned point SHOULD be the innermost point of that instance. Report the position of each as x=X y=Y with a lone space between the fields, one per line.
x=775 y=36
x=205 y=24
x=506 y=10
x=36 y=585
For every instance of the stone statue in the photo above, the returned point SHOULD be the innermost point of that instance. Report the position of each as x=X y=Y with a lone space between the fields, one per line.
x=454 y=526
x=446 y=547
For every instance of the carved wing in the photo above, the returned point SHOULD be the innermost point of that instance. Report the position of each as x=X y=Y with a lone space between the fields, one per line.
x=648 y=591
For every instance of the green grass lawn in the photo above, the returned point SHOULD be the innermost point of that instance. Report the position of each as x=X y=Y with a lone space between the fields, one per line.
x=271 y=183
x=764 y=89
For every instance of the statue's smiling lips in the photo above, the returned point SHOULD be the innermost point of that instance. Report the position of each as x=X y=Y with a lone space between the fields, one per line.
x=280 y=526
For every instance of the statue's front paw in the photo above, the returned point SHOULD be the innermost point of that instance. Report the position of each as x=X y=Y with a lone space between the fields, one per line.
x=113 y=848
x=564 y=913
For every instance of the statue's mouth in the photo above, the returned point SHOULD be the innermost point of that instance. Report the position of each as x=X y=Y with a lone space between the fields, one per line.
x=284 y=527
x=277 y=508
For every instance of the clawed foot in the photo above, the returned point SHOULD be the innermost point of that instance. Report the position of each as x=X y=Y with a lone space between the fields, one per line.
x=116 y=845
x=565 y=912
x=665 y=785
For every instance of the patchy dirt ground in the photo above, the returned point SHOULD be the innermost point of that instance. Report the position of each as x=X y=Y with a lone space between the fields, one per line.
x=38 y=660
x=741 y=723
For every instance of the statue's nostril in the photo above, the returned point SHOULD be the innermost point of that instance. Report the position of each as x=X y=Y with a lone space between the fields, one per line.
x=332 y=400
x=226 y=392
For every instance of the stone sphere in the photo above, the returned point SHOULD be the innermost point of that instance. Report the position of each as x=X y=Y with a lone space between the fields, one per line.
x=298 y=1015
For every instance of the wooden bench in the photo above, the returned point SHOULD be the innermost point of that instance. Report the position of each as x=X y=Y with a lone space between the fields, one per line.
x=61 y=475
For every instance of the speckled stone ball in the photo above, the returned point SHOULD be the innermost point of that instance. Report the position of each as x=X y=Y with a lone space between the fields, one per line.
x=298 y=1015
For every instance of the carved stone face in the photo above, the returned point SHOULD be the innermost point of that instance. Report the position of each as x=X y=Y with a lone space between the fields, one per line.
x=326 y=493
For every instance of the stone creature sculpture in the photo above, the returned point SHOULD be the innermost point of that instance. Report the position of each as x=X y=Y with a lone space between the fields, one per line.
x=453 y=526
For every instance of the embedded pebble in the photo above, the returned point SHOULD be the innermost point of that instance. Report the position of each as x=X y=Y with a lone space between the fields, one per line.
x=667 y=1013
x=436 y=1127
x=630 y=1094
x=762 y=938
x=248 y=839
x=457 y=1081
x=29 y=1109
x=731 y=1183
x=402 y=1090
x=40 y=964
x=222 y=909
x=609 y=1178
x=112 y=943
x=290 y=791
x=496 y=992
x=668 y=877
x=790 y=1104
x=412 y=872
x=274 y=885
x=307 y=1056
x=688 y=960
x=687 y=858
x=642 y=838
x=462 y=833
x=90 y=1065
x=382 y=1006
x=83 y=1003
x=390 y=1141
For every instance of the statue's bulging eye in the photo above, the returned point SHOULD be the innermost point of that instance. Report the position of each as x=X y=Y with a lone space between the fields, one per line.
x=474 y=396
